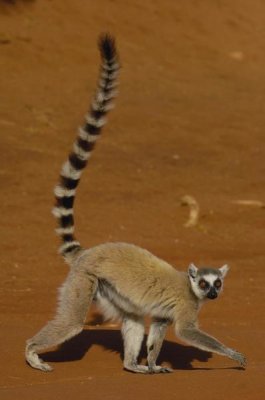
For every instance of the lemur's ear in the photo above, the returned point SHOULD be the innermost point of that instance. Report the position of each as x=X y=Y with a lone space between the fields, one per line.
x=224 y=269
x=192 y=270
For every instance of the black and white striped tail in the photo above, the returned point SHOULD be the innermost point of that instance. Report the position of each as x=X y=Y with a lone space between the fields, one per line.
x=71 y=171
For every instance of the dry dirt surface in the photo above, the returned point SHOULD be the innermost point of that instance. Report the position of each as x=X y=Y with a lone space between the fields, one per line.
x=189 y=120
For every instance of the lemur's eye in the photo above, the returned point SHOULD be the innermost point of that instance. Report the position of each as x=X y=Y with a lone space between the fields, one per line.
x=218 y=283
x=203 y=284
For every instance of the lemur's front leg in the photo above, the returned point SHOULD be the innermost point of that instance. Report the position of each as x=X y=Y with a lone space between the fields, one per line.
x=203 y=341
x=155 y=340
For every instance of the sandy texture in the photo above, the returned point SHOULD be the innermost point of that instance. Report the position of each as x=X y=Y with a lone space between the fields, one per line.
x=189 y=120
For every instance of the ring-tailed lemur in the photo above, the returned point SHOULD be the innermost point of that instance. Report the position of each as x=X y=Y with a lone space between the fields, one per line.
x=126 y=281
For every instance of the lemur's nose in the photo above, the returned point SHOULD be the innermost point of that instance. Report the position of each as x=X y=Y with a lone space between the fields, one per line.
x=212 y=294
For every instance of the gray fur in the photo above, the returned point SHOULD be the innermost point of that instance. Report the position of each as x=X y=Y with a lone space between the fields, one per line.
x=126 y=281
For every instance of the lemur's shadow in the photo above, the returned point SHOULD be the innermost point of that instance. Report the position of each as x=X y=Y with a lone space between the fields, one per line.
x=174 y=354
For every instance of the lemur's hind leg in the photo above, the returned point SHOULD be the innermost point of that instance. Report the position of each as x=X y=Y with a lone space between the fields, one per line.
x=133 y=334
x=75 y=297
x=155 y=340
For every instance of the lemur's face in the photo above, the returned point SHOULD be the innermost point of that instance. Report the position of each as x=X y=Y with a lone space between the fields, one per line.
x=207 y=283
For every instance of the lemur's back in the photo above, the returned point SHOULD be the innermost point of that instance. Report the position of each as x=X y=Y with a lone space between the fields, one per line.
x=121 y=257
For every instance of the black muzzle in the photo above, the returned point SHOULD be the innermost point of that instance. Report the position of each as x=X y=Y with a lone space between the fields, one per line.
x=212 y=294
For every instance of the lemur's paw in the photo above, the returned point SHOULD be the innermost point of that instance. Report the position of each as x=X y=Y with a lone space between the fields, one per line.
x=140 y=369
x=36 y=362
x=240 y=358
x=45 y=367
x=157 y=369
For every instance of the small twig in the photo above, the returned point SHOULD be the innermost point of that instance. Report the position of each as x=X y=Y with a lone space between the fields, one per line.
x=194 y=210
x=251 y=203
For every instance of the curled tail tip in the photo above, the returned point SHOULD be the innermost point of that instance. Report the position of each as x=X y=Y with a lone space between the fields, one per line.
x=107 y=46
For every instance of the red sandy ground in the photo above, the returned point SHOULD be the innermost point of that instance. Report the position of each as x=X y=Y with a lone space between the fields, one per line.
x=190 y=119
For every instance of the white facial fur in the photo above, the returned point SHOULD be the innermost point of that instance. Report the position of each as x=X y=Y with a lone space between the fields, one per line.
x=209 y=275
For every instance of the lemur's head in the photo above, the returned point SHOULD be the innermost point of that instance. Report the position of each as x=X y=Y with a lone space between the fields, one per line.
x=207 y=283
